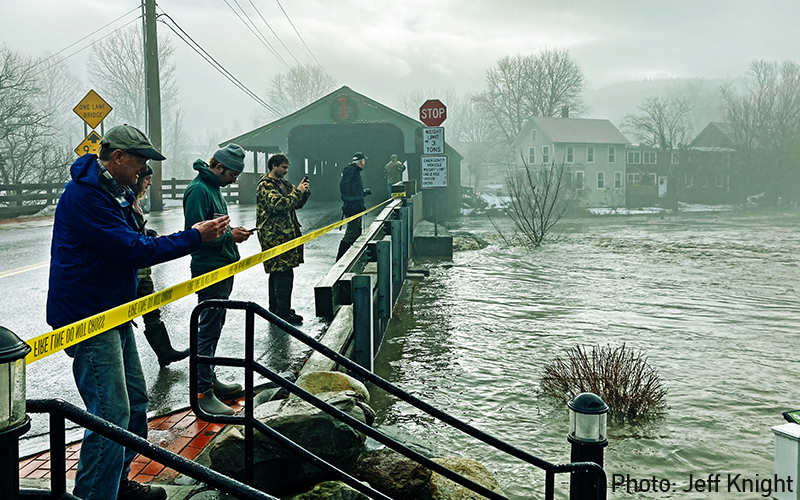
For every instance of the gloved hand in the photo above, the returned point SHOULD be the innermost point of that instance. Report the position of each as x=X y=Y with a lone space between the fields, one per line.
x=367 y=192
x=151 y=233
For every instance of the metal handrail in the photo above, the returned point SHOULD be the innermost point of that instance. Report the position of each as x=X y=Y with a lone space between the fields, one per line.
x=248 y=421
x=60 y=410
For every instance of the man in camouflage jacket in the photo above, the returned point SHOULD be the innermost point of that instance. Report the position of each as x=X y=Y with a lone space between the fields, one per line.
x=277 y=201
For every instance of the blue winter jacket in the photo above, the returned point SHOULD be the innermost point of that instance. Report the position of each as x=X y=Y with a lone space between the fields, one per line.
x=97 y=246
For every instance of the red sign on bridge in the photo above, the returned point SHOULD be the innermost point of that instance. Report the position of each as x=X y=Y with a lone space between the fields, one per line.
x=432 y=113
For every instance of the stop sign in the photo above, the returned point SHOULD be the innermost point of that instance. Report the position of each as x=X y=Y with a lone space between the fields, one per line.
x=432 y=113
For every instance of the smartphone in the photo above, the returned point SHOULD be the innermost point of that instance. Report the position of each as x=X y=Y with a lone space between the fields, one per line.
x=305 y=178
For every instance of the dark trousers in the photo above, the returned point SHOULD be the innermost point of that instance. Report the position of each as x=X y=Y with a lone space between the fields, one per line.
x=280 y=291
x=353 y=231
x=145 y=288
x=209 y=327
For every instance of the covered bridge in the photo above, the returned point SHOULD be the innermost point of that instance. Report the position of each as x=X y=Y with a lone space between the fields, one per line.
x=320 y=140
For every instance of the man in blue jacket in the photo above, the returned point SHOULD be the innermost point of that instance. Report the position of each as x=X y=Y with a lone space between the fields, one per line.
x=353 y=193
x=203 y=200
x=96 y=250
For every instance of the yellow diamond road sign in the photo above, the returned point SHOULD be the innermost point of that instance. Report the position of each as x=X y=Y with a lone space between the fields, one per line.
x=89 y=145
x=92 y=109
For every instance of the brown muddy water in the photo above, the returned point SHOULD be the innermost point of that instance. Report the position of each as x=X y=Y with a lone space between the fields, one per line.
x=711 y=299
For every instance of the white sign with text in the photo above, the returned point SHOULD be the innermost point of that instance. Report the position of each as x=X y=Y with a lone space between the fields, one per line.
x=433 y=141
x=434 y=171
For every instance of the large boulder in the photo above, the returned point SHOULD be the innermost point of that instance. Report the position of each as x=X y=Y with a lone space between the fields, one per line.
x=393 y=474
x=331 y=490
x=319 y=382
x=278 y=470
x=442 y=488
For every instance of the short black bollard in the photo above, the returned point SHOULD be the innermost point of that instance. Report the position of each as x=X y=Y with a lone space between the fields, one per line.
x=14 y=421
x=587 y=434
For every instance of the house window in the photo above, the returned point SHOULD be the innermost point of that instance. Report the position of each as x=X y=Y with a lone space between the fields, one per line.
x=531 y=156
x=601 y=180
x=533 y=135
x=675 y=159
x=589 y=154
x=545 y=154
x=649 y=157
x=617 y=180
x=579 y=179
x=612 y=154
x=633 y=178
x=688 y=180
x=570 y=154
x=634 y=157
x=652 y=179
x=718 y=181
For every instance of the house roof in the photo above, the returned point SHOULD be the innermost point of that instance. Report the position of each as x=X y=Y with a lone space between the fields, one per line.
x=575 y=130
x=714 y=135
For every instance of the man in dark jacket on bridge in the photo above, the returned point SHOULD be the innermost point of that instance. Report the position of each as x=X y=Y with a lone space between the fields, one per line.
x=96 y=250
x=353 y=193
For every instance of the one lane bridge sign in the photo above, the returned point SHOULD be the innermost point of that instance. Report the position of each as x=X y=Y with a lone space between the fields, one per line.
x=434 y=171
x=89 y=145
x=92 y=109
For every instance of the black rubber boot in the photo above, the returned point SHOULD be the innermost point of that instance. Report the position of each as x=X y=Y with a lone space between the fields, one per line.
x=343 y=247
x=158 y=339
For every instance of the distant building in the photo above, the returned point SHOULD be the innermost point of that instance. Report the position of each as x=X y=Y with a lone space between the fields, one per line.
x=650 y=176
x=710 y=167
x=591 y=151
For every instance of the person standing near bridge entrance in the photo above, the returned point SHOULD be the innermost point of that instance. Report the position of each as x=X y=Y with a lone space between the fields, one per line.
x=203 y=200
x=353 y=193
x=277 y=202
x=97 y=248
x=393 y=171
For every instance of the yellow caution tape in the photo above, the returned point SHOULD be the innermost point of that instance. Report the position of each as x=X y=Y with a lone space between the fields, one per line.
x=66 y=336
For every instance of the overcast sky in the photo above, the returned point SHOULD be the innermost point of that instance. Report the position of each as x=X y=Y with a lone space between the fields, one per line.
x=384 y=48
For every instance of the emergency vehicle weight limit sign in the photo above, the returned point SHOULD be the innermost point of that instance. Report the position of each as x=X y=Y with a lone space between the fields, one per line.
x=434 y=171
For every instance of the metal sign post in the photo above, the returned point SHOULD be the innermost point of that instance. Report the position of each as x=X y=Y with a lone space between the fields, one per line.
x=92 y=110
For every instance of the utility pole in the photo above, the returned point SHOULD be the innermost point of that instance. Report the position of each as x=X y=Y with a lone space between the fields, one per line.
x=153 y=96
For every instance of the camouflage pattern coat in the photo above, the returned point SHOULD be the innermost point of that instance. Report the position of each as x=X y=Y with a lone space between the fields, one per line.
x=276 y=203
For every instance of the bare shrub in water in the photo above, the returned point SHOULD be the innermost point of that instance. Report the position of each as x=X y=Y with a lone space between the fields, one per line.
x=630 y=387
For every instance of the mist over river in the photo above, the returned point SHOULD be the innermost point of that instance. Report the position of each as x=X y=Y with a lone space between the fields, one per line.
x=711 y=299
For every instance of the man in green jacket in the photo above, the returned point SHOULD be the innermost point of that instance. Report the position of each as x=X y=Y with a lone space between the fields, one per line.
x=277 y=201
x=203 y=200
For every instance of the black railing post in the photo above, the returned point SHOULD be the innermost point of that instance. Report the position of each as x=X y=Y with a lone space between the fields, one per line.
x=362 y=321
x=397 y=258
x=383 y=249
x=58 y=459
x=406 y=246
x=249 y=387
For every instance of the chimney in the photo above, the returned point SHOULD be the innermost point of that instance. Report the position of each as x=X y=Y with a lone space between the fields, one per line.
x=564 y=111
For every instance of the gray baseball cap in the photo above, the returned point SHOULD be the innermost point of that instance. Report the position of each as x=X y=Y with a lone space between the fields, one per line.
x=131 y=139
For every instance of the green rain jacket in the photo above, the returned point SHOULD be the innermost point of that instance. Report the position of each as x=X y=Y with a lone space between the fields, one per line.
x=277 y=200
x=201 y=200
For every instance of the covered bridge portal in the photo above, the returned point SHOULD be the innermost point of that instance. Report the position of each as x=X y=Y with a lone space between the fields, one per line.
x=320 y=140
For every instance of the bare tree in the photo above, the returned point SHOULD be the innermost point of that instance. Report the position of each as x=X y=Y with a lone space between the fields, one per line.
x=764 y=122
x=116 y=68
x=520 y=87
x=30 y=150
x=538 y=200
x=298 y=87
x=661 y=123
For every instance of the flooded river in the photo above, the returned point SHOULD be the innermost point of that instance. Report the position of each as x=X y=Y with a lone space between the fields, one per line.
x=711 y=299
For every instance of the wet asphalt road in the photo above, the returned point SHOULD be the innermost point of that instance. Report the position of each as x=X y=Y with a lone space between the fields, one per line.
x=25 y=249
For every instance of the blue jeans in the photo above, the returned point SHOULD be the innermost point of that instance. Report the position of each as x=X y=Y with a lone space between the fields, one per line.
x=209 y=327
x=109 y=377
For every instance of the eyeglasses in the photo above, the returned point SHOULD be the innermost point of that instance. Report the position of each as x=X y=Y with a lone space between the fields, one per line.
x=141 y=160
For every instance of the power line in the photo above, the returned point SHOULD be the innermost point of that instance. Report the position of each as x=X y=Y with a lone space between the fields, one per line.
x=205 y=55
x=301 y=39
x=87 y=36
x=84 y=48
x=273 y=32
x=255 y=29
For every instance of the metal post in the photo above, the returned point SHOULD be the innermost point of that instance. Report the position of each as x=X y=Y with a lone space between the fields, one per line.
x=9 y=460
x=362 y=321
x=397 y=258
x=405 y=248
x=58 y=459
x=383 y=249
x=153 y=93
x=588 y=438
x=249 y=384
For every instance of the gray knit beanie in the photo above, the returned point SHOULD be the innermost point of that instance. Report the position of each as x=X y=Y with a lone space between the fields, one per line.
x=231 y=157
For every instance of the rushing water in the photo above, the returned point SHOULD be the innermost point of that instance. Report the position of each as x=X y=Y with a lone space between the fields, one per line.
x=710 y=299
